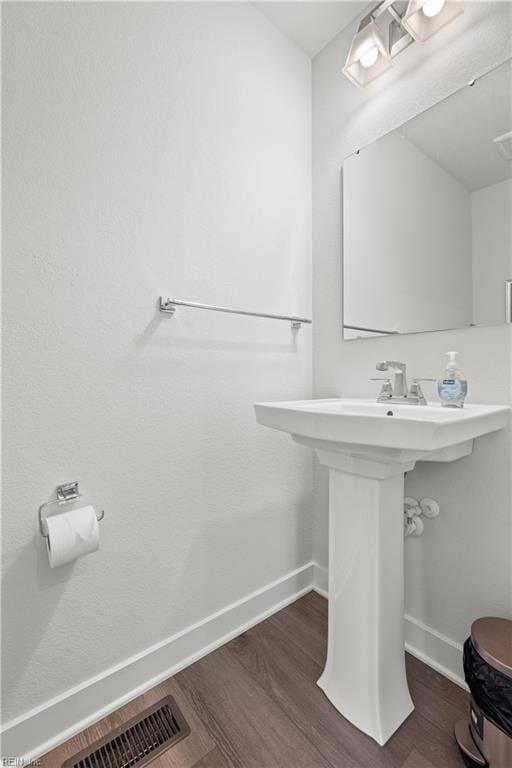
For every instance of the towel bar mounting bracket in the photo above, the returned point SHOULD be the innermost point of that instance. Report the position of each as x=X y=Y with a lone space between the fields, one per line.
x=167 y=305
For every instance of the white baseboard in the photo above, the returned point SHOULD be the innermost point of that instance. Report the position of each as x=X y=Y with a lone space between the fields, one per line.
x=320 y=580
x=435 y=649
x=45 y=727
x=426 y=644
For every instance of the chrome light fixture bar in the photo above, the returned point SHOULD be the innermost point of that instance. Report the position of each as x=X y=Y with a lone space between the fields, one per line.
x=372 y=50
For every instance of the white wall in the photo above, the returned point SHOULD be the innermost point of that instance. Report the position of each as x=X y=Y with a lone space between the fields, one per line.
x=406 y=241
x=149 y=148
x=461 y=567
x=491 y=217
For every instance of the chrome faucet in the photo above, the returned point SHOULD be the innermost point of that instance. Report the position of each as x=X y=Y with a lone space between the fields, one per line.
x=400 y=369
x=398 y=391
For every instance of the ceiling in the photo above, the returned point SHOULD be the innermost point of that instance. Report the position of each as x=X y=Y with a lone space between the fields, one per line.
x=311 y=24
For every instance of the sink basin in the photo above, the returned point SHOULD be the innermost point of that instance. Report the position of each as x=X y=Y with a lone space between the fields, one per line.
x=368 y=447
x=428 y=432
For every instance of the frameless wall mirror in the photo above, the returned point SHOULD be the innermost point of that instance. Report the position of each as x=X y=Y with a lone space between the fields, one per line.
x=427 y=218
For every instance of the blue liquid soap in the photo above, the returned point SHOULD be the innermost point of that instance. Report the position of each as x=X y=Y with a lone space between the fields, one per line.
x=452 y=387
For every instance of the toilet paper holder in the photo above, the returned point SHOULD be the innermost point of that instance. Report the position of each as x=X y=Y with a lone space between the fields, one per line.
x=66 y=493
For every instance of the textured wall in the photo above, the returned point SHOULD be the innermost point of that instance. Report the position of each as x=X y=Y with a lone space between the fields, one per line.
x=148 y=148
x=461 y=567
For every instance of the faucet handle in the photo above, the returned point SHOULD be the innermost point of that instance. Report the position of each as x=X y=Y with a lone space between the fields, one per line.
x=417 y=381
x=416 y=391
x=387 y=388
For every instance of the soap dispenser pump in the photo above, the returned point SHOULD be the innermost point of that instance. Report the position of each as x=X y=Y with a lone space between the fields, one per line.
x=452 y=387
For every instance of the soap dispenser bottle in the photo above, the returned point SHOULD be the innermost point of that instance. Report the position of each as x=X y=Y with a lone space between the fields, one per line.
x=452 y=387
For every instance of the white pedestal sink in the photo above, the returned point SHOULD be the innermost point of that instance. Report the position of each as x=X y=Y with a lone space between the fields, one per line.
x=368 y=447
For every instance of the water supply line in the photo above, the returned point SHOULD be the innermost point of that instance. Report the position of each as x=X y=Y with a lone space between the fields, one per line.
x=414 y=511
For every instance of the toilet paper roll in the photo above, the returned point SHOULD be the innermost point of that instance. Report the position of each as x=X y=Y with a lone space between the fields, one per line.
x=71 y=535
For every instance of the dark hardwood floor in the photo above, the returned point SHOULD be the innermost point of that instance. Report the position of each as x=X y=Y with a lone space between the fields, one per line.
x=254 y=703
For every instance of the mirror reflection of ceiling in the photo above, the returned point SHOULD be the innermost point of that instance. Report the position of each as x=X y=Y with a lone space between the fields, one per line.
x=458 y=133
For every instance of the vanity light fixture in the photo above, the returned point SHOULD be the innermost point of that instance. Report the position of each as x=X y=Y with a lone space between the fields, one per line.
x=368 y=56
x=372 y=50
x=424 y=18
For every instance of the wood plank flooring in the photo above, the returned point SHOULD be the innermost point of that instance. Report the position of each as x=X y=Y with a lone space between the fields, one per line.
x=254 y=703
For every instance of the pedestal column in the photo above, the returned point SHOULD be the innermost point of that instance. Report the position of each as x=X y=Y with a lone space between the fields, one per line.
x=364 y=676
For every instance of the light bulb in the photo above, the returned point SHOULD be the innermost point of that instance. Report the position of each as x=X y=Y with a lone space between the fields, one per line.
x=369 y=58
x=432 y=7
